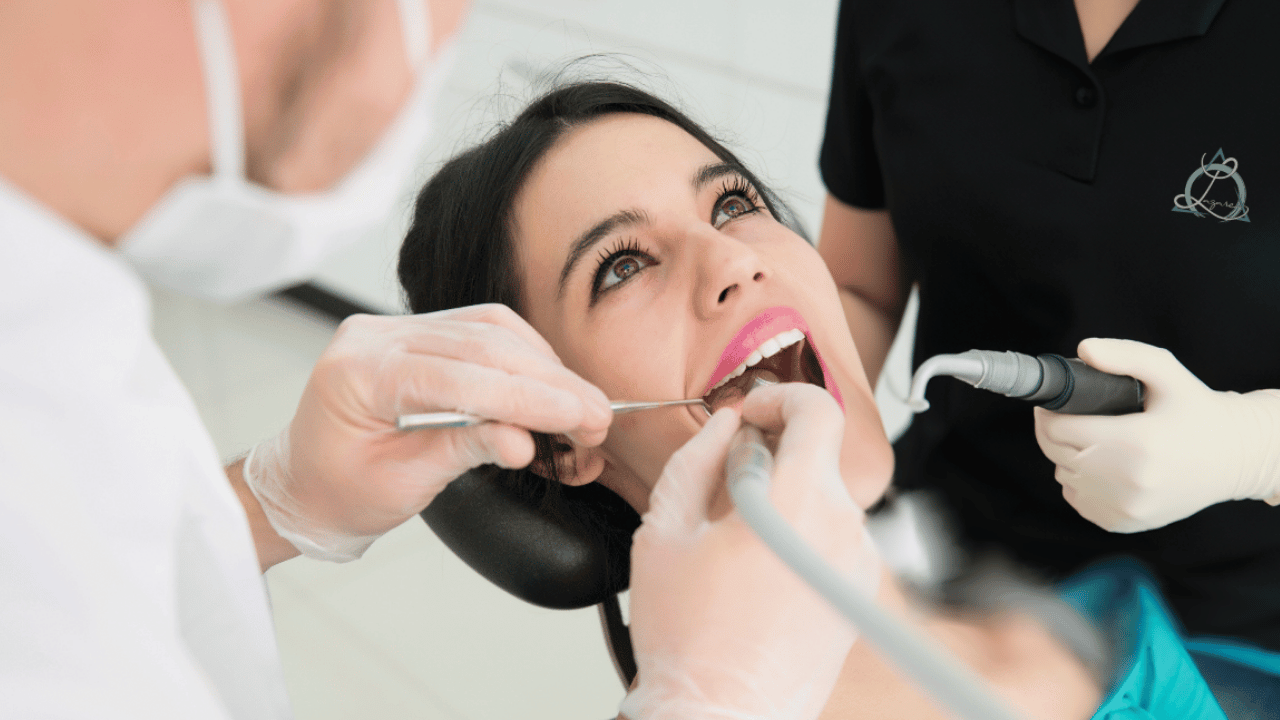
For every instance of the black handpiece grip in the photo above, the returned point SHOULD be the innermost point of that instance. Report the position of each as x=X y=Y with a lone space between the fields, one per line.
x=1071 y=387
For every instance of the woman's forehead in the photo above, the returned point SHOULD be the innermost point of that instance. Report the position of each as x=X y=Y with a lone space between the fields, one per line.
x=620 y=152
x=617 y=162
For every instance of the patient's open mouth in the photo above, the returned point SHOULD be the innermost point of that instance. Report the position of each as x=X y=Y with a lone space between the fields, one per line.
x=786 y=357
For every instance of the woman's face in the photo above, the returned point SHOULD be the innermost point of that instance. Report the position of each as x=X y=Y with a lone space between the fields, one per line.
x=656 y=272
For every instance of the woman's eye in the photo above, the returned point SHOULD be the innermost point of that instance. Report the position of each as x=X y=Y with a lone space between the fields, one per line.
x=731 y=207
x=621 y=269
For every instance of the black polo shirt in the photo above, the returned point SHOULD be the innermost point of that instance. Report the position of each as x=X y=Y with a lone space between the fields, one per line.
x=1038 y=200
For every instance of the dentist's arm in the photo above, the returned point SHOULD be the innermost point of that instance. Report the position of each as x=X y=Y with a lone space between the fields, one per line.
x=721 y=627
x=861 y=251
x=340 y=475
x=1192 y=447
x=272 y=549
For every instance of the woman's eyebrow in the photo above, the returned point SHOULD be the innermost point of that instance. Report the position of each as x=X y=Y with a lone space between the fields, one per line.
x=705 y=175
x=711 y=172
x=599 y=231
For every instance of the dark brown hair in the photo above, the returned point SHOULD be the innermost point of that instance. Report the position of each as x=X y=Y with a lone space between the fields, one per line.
x=459 y=250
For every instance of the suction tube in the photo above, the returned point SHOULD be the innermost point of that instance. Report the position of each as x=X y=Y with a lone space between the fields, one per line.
x=749 y=468
x=1065 y=385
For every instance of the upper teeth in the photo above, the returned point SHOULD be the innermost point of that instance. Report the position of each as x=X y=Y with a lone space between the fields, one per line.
x=768 y=348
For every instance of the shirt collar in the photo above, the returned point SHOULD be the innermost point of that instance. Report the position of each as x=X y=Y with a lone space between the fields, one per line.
x=1055 y=26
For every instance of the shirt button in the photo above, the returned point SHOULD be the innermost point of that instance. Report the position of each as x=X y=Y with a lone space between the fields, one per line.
x=1086 y=97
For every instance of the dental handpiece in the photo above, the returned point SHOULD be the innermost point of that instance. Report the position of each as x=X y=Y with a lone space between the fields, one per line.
x=1064 y=385
x=749 y=469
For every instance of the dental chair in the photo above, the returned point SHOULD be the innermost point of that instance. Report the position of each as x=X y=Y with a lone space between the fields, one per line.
x=573 y=550
x=567 y=551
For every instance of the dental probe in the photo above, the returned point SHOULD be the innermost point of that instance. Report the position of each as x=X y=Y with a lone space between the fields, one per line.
x=424 y=421
x=1065 y=385
x=749 y=466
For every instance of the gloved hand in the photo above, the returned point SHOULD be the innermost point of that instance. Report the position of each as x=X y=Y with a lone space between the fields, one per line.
x=721 y=628
x=340 y=475
x=1192 y=447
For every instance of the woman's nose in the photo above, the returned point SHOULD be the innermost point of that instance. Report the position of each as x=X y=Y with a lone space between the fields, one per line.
x=728 y=270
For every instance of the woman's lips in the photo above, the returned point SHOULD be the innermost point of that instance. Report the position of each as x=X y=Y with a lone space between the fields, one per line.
x=767 y=324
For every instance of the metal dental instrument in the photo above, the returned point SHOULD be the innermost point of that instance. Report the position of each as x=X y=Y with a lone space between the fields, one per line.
x=1065 y=385
x=432 y=420
x=749 y=468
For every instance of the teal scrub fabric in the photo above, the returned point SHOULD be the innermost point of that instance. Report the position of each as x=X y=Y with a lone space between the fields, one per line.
x=1245 y=679
x=1155 y=676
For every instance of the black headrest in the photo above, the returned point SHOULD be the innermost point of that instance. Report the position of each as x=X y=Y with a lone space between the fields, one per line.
x=569 y=550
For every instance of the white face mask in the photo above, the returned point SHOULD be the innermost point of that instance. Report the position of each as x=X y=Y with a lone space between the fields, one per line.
x=222 y=237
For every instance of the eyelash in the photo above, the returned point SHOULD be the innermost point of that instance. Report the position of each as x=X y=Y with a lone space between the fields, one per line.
x=735 y=187
x=608 y=258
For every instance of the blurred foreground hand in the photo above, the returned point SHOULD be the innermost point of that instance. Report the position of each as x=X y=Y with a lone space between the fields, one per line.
x=720 y=626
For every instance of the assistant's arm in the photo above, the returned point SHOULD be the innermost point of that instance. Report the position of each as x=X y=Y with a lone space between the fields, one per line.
x=861 y=251
x=857 y=240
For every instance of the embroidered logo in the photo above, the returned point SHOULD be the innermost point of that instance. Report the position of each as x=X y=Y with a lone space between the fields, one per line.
x=1203 y=179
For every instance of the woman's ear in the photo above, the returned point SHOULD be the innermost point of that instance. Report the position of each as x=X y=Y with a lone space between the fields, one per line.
x=574 y=465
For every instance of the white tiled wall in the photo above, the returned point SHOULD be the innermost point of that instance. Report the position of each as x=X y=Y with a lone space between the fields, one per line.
x=409 y=631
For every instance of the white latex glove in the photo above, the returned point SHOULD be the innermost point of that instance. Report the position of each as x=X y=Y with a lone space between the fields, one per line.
x=720 y=627
x=1192 y=447
x=340 y=475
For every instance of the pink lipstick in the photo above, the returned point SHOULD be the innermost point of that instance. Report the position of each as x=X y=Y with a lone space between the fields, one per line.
x=764 y=326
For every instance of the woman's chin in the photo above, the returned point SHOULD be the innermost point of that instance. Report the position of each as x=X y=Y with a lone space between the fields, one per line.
x=866 y=460
x=868 y=491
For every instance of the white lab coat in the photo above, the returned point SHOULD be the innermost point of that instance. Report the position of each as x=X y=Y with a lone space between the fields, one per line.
x=129 y=585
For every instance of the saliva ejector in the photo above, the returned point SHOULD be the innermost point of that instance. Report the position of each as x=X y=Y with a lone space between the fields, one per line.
x=1064 y=385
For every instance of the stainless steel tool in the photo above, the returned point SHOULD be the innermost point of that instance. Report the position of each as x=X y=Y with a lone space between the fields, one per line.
x=425 y=421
